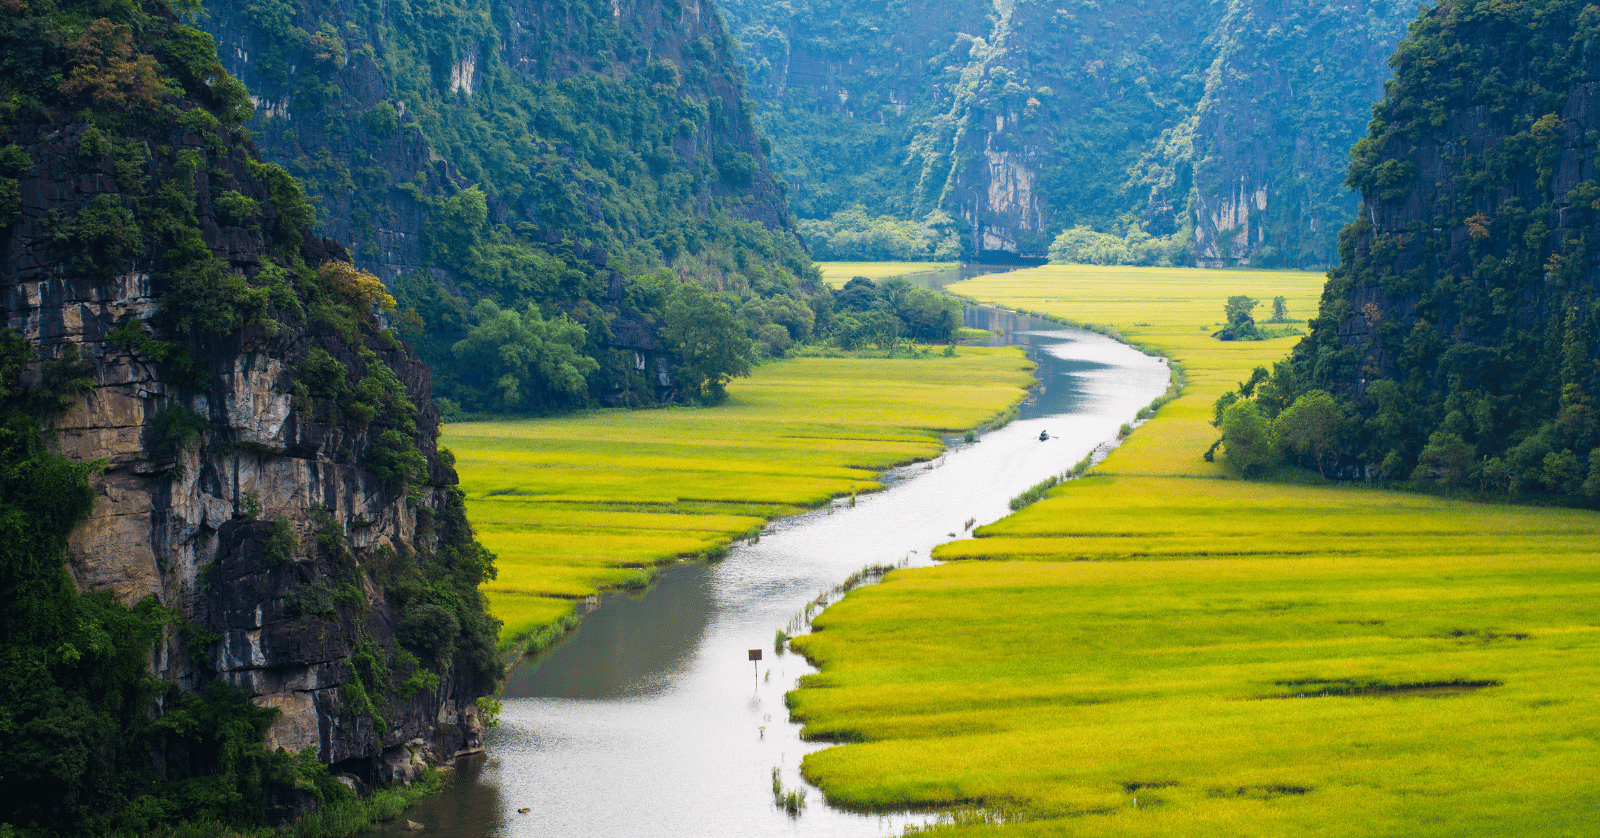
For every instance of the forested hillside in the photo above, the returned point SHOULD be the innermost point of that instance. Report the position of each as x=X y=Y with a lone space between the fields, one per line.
x=233 y=560
x=1186 y=133
x=1461 y=328
x=540 y=182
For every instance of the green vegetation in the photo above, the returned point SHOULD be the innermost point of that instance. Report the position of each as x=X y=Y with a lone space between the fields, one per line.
x=1084 y=246
x=574 y=504
x=849 y=235
x=878 y=313
x=1461 y=338
x=127 y=97
x=1244 y=658
x=575 y=166
x=1110 y=135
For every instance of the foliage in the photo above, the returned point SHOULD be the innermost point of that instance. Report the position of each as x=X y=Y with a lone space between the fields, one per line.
x=177 y=426
x=850 y=235
x=1311 y=428
x=880 y=312
x=1081 y=245
x=1280 y=310
x=708 y=347
x=102 y=237
x=1241 y=323
x=546 y=184
x=1248 y=443
x=1464 y=335
x=520 y=362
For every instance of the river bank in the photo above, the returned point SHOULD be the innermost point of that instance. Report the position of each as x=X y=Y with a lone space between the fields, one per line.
x=573 y=505
x=1159 y=650
x=653 y=701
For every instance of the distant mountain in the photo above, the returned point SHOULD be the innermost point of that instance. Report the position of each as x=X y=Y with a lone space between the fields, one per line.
x=1220 y=130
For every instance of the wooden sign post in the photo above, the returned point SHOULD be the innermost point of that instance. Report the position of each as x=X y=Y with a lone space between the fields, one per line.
x=755 y=662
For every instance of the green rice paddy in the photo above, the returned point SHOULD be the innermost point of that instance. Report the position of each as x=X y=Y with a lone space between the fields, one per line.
x=574 y=504
x=1157 y=650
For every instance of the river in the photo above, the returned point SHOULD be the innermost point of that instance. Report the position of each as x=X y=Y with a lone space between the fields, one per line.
x=650 y=720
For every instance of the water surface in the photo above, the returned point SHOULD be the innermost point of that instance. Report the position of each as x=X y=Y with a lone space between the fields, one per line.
x=651 y=721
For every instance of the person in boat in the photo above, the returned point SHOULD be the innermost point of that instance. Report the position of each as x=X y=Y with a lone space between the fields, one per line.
x=1044 y=435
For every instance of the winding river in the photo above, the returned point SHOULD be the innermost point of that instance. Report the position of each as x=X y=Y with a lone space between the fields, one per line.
x=651 y=721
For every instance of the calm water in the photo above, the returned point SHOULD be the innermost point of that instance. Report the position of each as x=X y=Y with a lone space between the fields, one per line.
x=650 y=721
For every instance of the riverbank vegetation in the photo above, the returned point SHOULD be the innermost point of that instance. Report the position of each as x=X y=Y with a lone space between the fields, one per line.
x=1156 y=650
x=575 y=504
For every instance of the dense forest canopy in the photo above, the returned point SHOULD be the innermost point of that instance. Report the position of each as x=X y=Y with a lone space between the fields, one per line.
x=559 y=161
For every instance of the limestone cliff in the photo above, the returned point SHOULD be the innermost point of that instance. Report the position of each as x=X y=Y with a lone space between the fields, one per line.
x=1461 y=324
x=1224 y=125
x=267 y=460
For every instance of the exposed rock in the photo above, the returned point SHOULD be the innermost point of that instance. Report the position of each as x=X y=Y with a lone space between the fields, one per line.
x=190 y=524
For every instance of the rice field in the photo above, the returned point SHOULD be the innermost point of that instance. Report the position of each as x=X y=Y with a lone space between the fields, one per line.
x=837 y=274
x=571 y=505
x=1156 y=650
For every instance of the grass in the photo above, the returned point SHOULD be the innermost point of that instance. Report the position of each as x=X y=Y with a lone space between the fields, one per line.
x=575 y=504
x=1158 y=650
x=837 y=274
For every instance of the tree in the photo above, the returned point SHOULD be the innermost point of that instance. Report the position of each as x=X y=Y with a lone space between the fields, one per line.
x=711 y=348
x=520 y=362
x=1247 y=443
x=1280 y=310
x=1310 y=427
x=1238 y=311
x=859 y=294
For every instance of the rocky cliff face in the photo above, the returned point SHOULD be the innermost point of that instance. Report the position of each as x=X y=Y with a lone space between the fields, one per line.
x=1226 y=124
x=1461 y=319
x=269 y=466
x=319 y=68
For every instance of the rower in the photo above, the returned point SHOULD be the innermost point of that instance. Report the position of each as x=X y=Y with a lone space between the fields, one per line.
x=1044 y=435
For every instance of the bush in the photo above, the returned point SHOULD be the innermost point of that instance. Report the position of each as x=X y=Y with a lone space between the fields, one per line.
x=430 y=629
x=1247 y=442
x=177 y=426
x=322 y=374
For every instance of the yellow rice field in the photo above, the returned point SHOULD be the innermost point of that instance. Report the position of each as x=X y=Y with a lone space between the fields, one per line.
x=574 y=504
x=837 y=274
x=1156 y=650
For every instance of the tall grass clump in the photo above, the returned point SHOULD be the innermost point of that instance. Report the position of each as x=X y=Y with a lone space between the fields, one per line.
x=351 y=816
x=546 y=636
x=1035 y=493
x=789 y=800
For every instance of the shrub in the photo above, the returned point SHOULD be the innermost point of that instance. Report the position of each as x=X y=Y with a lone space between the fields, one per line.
x=177 y=426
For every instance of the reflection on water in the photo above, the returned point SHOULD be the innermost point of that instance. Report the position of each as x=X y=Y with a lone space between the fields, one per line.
x=651 y=721
x=630 y=647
